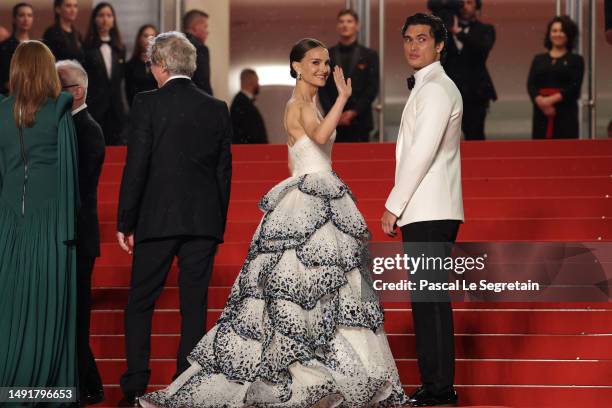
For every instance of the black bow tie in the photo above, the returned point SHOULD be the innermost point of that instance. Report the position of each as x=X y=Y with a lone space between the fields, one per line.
x=465 y=23
x=410 y=82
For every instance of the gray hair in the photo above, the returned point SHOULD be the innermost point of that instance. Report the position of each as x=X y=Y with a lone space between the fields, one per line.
x=173 y=51
x=71 y=72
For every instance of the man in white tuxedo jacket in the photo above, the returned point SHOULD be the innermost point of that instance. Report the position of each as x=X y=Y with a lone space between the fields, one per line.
x=426 y=200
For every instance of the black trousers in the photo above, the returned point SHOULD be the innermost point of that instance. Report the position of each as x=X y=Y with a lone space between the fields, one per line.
x=89 y=376
x=151 y=264
x=113 y=128
x=473 y=122
x=433 y=318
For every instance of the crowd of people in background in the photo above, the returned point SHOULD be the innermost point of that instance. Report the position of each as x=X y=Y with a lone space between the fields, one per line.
x=113 y=79
x=553 y=85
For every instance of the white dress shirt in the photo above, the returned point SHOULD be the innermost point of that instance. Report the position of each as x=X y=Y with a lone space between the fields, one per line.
x=80 y=108
x=175 y=77
x=428 y=162
x=107 y=55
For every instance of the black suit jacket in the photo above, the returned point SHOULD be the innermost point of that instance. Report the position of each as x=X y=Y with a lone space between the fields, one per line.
x=177 y=176
x=201 y=76
x=364 y=79
x=103 y=93
x=468 y=67
x=247 y=122
x=7 y=49
x=90 y=142
x=64 y=45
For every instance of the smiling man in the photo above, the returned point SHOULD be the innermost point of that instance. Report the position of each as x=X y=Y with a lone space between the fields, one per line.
x=426 y=200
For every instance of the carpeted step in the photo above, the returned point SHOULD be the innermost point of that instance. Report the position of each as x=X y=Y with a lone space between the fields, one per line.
x=498 y=208
x=385 y=168
x=561 y=347
x=399 y=321
x=493 y=372
x=590 y=229
x=481 y=396
x=480 y=187
x=115 y=298
x=361 y=151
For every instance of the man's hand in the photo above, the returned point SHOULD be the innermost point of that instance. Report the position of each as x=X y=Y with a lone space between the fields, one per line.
x=347 y=117
x=455 y=29
x=388 y=223
x=126 y=242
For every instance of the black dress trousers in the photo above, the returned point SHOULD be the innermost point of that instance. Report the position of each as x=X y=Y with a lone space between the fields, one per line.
x=152 y=261
x=432 y=313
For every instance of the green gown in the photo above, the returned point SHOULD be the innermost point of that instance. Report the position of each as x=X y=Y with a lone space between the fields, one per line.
x=37 y=255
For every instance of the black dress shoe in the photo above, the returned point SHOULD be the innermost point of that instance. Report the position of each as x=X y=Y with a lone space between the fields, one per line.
x=92 y=397
x=423 y=398
x=130 y=400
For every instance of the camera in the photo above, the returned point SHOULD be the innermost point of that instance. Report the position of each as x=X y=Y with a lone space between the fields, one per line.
x=446 y=10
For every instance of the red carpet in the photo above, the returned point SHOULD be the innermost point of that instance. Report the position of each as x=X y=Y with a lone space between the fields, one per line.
x=509 y=354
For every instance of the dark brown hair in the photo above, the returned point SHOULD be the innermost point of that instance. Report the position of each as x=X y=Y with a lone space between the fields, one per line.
x=92 y=39
x=191 y=16
x=137 y=48
x=16 y=11
x=349 y=12
x=568 y=27
x=300 y=49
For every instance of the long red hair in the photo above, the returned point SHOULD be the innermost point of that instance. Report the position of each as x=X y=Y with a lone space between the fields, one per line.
x=33 y=79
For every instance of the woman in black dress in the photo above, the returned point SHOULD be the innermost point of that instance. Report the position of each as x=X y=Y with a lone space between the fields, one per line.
x=104 y=63
x=138 y=76
x=23 y=18
x=63 y=38
x=554 y=83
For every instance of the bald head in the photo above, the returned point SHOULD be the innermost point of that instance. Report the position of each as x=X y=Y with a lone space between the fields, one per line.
x=249 y=81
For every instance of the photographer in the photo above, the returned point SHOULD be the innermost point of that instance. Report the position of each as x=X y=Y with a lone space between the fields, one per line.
x=465 y=63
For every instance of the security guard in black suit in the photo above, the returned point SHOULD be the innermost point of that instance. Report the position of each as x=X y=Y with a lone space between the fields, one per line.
x=247 y=122
x=361 y=65
x=466 y=59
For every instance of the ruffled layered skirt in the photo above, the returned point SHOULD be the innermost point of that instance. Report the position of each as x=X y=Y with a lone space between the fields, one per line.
x=302 y=326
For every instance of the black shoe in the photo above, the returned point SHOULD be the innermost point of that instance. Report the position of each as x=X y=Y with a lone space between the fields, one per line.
x=92 y=397
x=423 y=398
x=130 y=400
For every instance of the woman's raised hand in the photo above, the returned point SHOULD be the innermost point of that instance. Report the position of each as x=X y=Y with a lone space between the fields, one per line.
x=344 y=86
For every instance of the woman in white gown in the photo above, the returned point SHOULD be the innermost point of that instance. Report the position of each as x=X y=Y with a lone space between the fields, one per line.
x=302 y=326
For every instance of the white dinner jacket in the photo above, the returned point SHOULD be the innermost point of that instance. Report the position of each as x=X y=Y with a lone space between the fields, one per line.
x=428 y=163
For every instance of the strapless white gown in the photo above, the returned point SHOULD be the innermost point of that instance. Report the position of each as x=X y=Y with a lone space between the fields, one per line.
x=302 y=325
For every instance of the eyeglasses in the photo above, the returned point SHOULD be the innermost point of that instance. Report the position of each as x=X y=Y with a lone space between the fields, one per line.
x=69 y=86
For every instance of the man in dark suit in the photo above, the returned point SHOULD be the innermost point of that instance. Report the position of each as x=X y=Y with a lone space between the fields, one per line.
x=90 y=141
x=173 y=201
x=466 y=64
x=195 y=27
x=247 y=122
x=361 y=65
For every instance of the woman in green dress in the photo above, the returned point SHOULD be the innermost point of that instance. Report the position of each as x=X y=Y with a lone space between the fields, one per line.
x=37 y=222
